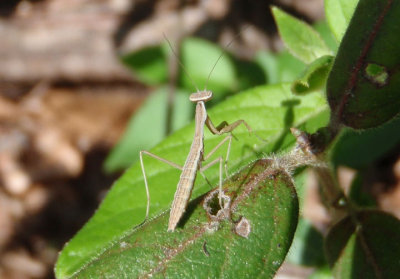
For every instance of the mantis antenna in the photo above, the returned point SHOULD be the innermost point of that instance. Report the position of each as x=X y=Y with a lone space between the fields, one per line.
x=180 y=63
x=222 y=54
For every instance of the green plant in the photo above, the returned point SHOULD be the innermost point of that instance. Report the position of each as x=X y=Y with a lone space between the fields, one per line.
x=252 y=238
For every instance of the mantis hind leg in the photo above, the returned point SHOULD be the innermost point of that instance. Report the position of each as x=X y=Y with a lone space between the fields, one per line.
x=221 y=162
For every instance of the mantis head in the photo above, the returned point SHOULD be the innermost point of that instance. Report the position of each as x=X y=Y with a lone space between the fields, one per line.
x=201 y=96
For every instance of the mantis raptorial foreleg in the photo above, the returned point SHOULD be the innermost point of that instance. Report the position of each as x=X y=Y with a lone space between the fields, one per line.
x=224 y=127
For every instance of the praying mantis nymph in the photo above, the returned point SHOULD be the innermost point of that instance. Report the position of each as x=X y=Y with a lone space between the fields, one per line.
x=194 y=160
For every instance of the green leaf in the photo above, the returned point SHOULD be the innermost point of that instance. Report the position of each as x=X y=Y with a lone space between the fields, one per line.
x=300 y=178
x=249 y=74
x=325 y=32
x=314 y=77
x=269 y=110
x=199 y=57
x=369 y=248
x=357 y=149
x=151 y=117
x=360 y=96
x=321 y=273
x=149 y=64
x=300 y=38
x=308 y=244
x=268 y=62
x=358 y=194
x=338 y=14
x=289 y=67
x=281 y=67
x=251 y=242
